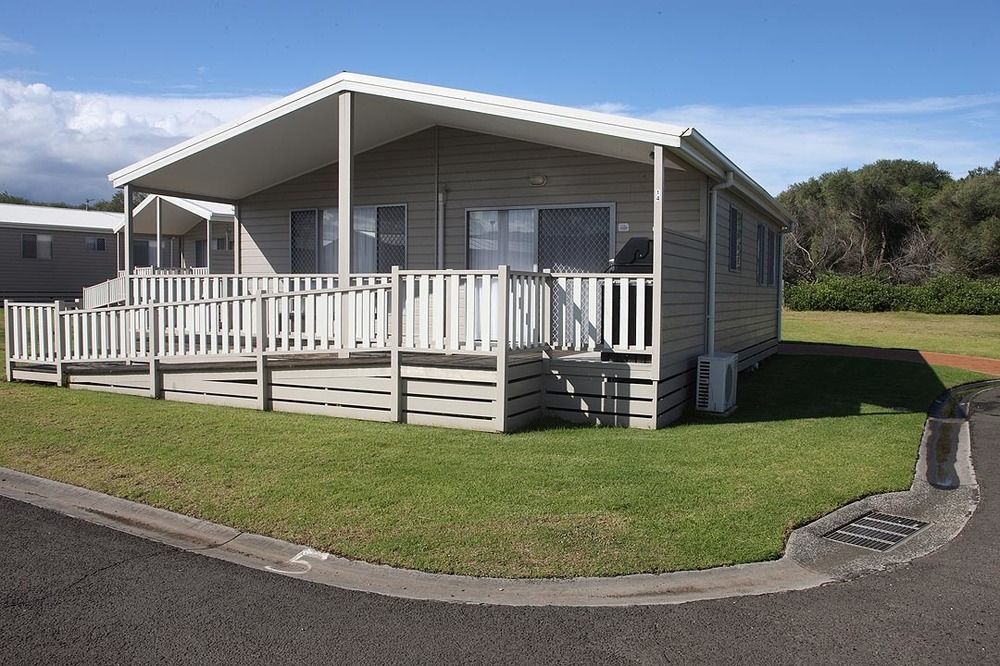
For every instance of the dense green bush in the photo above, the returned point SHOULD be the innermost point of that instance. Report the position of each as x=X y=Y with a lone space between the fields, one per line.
x=950 y=294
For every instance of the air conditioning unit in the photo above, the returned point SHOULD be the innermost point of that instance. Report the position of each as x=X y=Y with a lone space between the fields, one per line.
x=716 y=385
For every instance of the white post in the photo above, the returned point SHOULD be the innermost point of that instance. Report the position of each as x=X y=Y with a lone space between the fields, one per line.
x=129 y=258
x=345 y=202
x=6 y=339
x=659 y=201
x=237 y=237
x=263 y=381
x=396 y=332
x=60 y=344
x=503 y=321
x=155 y=379
x=159 y=232
x=208 y=245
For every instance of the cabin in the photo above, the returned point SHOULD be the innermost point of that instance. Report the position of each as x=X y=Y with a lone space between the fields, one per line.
x=502 y=261
x=52 y=253
x=174 y=232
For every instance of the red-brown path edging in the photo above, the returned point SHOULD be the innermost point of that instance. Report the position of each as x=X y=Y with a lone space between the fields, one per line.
x=987 y=366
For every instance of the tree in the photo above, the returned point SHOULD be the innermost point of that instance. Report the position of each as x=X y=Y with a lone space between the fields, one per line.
x=966 y=220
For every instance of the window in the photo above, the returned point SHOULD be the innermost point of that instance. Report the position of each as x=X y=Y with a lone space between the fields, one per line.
x=200 y=254
x=735 y=239
x=508 y=237
x=772 y=249
x=221 y=244
x=761 y=254
x=574 y=239
x=95 y=244
x=378 y=239
x=36 y=246
x=141 y=252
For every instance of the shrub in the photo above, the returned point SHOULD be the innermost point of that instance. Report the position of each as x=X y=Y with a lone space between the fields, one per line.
x=949 y=294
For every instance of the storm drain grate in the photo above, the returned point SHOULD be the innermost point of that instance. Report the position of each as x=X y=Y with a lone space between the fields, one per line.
x=876 y=531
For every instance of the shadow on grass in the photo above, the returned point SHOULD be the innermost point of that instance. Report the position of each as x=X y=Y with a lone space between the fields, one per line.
x=801 y=387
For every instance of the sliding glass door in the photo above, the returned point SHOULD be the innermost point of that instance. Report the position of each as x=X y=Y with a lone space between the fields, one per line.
x=378 y=239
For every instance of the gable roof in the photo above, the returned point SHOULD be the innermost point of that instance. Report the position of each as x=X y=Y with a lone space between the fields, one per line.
x=298 y=134
x=52 y=218
x=180 y=215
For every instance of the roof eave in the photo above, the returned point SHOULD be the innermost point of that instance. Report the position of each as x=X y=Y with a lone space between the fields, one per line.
x=697 y=148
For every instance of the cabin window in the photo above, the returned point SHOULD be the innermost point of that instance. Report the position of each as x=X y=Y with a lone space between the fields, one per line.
x=222 y=244
x=378 y=239
x=761 y=254
x=772 y=258
x=200 y=254
x=141 y=252
x=735 y=238
x=36 y=246
x=564 y=239
x=96 y=244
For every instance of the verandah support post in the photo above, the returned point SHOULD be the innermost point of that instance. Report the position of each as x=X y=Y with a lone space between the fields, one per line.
x=503 y=322
x=159 y=232
x=127 y=249
x=396 y=339
x=345 y=201
x=208 y=245
x=659 y=202
x=237 y=235
x=263 y=380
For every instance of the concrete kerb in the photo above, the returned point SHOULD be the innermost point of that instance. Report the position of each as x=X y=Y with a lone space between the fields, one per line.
x=944 y=493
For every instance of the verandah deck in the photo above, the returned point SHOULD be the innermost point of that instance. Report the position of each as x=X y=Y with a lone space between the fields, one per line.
x=491 y=350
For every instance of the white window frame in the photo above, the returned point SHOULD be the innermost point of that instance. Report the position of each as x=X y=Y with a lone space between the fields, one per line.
x=97 y=241
x=612 y=222
x=319 y=218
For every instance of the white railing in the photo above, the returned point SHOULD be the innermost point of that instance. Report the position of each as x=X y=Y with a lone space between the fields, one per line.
x=600 y=311
x=104 y=293
x=299 y=321
x=153 y=270
x=449 y=311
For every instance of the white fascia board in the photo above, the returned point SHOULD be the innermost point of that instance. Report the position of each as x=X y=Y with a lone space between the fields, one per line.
x=536 y=112
x=29 y=227
x=215 y=136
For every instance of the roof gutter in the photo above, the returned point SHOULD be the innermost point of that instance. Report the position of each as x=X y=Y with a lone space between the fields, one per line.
x=713 y=254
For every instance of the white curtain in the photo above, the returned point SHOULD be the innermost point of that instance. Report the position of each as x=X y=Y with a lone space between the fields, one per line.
x=329 y=245
x=503 y=237
x=364 y=240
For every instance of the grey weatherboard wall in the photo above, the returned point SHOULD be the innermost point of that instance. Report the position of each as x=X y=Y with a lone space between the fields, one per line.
x=71 y=268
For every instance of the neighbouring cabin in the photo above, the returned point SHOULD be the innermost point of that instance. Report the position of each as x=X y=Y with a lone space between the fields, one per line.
x=505 y=261
x=53 y=253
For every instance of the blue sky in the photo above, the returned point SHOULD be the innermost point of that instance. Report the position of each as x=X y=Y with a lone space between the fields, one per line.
x=788 y=89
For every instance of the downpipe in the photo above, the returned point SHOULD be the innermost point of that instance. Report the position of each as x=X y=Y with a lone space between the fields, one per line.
x=713 y=254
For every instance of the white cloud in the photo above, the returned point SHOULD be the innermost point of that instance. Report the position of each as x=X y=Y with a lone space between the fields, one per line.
x=60 y=145
x=618 y=108
x=780 y=145
x=14 y=47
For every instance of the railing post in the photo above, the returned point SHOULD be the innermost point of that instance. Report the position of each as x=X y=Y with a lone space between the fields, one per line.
x=153 y=353
x=503 y=322
x=57 y=323
x=547 y=309
x=263 y=381
x=6 y=339
x=396 y=335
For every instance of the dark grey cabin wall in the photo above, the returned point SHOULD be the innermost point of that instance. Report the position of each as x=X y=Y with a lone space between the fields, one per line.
x=478 y=171
x=71 y=268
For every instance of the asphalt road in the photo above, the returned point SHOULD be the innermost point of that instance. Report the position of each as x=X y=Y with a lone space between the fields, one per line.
x=72 y=592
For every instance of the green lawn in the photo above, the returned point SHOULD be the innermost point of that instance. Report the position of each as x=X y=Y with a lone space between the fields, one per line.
x=978 y=335
x=810 y=434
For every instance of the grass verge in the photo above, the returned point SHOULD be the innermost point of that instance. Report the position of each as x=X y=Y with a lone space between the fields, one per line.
x=811 y=433
x=978 y=335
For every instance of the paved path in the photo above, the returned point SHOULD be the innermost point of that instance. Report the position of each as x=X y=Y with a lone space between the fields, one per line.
x=71 y=591
x=987 y=366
